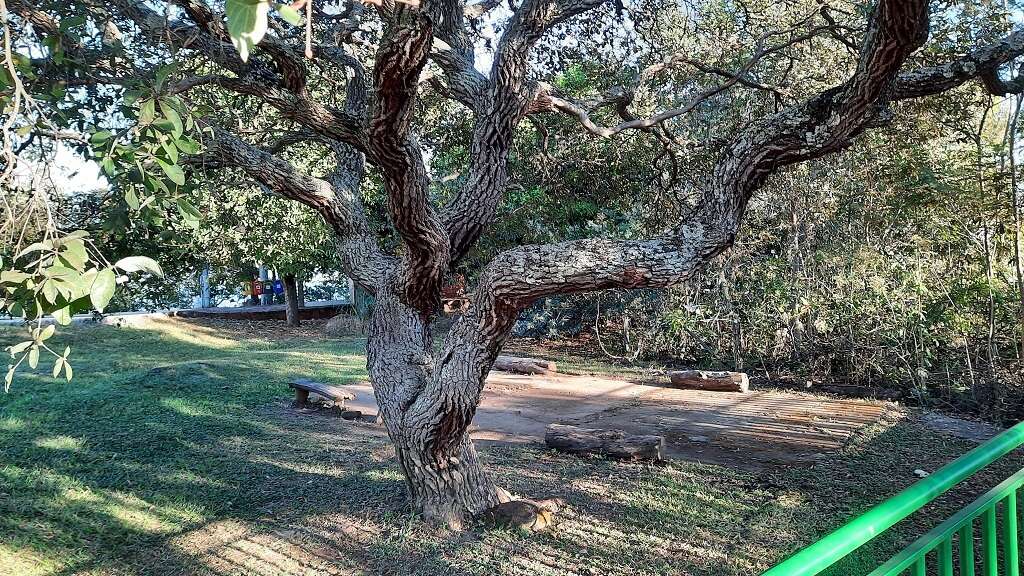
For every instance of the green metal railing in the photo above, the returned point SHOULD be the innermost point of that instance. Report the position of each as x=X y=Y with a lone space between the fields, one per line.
x=938 y=543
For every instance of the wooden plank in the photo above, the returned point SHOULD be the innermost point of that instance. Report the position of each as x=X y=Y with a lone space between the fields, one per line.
x=614 y=443
x=709 y=380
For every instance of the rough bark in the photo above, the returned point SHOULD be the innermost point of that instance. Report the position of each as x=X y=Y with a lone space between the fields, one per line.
x=425 y=417
x=291 y=300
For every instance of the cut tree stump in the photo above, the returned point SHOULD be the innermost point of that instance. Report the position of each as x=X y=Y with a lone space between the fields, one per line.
x=613 y=443
x=705 y=380
x=519 y=365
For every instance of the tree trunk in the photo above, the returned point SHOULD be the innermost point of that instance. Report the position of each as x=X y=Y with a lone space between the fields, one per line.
x=450 y=491
x=427 y=408
x=291 y=300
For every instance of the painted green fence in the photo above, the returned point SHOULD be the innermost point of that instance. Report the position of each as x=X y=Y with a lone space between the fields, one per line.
x=934 y=549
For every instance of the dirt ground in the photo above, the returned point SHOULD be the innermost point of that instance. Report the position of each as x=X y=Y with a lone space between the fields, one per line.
x=761 y=428
x=749 y=430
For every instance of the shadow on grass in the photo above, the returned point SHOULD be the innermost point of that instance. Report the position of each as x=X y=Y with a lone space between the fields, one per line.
x=177 y=454
x=155 y=435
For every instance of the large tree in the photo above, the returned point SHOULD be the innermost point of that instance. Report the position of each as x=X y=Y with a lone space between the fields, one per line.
x=356 y=93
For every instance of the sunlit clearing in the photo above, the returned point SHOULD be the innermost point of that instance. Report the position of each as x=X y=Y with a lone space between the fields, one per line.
x=61 y=443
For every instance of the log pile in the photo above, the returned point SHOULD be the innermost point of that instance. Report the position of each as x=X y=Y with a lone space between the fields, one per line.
x=706 y=380
x=612 y=443
x=519 y=365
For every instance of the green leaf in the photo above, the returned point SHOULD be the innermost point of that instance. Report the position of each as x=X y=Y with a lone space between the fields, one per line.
x=80 y=305
x=131 y=198
x=290 y=15
x=57 y=366
x=49 y=289
x=100 y=137
x=83 y=284
x=33 y=357
x=163 y=72
x=67 y=370
x=35 y=247
x=173 y=171
x=74 y=252
x=47 y=332
x=247 y=23
x=164 y=125
x=171 y=149
x=57 y=271
x=172 y=115
x=103 y=288
x=147 y=112
x=19 y=347
x=187 y=145
x=189 y=212
x=62 y=315
x=139 y=264
x=13 y=277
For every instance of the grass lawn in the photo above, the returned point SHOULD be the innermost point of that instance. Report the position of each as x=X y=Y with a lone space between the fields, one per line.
x=174 y=451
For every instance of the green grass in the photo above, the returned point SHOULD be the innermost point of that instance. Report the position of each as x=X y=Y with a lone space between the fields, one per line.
x=174 y=451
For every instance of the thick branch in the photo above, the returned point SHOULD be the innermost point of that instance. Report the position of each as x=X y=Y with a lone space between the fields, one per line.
x=400 y=59
x=506 y=99
x=335 y=198
x=279 y=85
x=824 y=124
x=982 y=62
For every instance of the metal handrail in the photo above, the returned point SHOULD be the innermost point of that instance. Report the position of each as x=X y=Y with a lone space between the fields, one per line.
x=961 y=525
x=864 y=528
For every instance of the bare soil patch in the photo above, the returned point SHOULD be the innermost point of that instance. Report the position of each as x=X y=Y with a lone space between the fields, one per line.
x=752 y=430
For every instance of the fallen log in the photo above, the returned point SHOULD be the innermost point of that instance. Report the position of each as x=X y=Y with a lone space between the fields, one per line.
x=705 y=380
x=519 y=365
x=613 y=443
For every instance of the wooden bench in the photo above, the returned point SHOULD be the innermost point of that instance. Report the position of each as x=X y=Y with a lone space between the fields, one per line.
x=303 y=387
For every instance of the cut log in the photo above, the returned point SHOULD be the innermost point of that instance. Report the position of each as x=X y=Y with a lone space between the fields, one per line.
x=613 y=443
x=705 y=380
x=519 y=365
